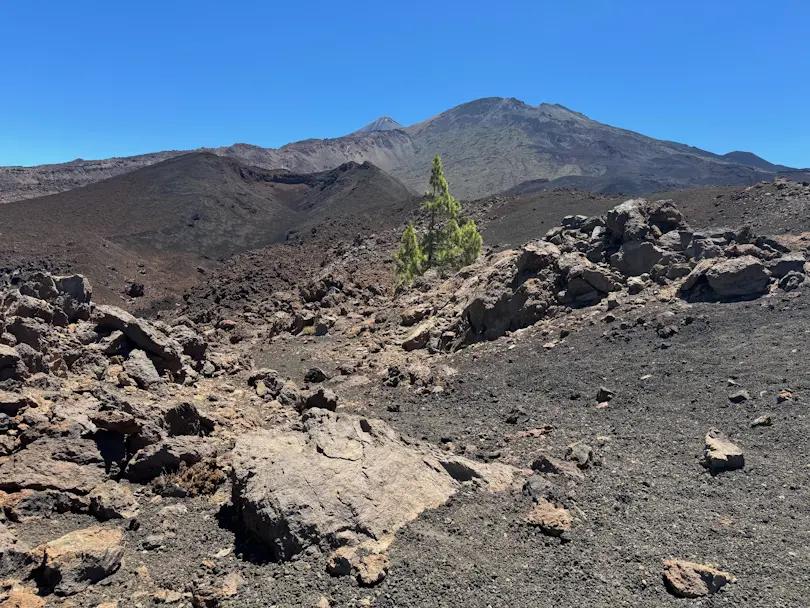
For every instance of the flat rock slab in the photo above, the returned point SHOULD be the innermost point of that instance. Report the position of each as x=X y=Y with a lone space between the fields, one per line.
x=691 y=580
x=343 y=480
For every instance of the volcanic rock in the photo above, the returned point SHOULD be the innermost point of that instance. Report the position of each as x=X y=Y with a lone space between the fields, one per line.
x=343 y=480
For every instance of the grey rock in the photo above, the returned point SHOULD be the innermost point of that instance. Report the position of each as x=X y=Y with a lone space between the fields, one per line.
x=142 y=333
x=14 y=555
x=167 y=455
x=635 y=258
x=743 y=276
x=791 y=281
x=790 y=262
x=112 y=500
x=141 y=369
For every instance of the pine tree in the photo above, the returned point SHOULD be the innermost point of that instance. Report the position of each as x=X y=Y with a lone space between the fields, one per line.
x=446 y=244
x=409 y=257
x=442 y=208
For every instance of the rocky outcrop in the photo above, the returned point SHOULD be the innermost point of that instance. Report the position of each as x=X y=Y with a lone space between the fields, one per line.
x=343 y=480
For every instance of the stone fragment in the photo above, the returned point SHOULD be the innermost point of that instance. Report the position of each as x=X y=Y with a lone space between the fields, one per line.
x=691 y=580
x=720 y=454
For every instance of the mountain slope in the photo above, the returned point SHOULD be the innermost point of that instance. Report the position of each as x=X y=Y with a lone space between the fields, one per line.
x=168 y=218
x=488 y=145
x=750 y=159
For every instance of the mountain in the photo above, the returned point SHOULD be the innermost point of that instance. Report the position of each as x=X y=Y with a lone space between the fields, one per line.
x=749 y=159
x=489 y=145
x=384 y=123
x=168 y=218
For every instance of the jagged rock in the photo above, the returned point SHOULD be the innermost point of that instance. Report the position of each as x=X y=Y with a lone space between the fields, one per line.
x=790 y=262
x=141 y=369
x=635 y=258
x=12 y=403
x=166 y=456
x=574 y=222
x=552 y=520
x=134 y=290
x=323 y=398
x=342 y=480
x=76 y=286
x=739 y=396
x=419 y=337
x=32 y=332
x=29 y=307
x=664 y=215
x=194 y=345
x=315 y=375
x=27 y=504
x=764 y=420
x=111 y=500
x=703 y=249
x=14 y=555
x=273 y=381
x=627 y=221
x=68 y=565
x=580 y=454
x=743 y=276
x=143 y=334
x=185 y=419
x=414 y=315
x=792 y=280
x=123 y=423
x=720 y=454
x=372 y=569
x=537 y=256
x=691 y=580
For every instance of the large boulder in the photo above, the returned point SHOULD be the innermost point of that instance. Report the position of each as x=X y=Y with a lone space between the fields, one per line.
x=70 y=564
x=790 y=262
x=742 y=276
x=343 y=480
x=627 y=222
x=537 y=256
x=635 y=258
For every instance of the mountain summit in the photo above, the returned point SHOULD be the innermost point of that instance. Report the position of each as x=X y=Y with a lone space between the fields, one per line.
x=383 y=123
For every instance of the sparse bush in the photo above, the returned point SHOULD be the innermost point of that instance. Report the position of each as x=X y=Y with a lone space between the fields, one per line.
x=445 y=244
x=198 y=479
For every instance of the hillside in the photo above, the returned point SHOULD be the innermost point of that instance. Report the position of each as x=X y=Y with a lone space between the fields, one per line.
x=158 y=223
x=489 y=145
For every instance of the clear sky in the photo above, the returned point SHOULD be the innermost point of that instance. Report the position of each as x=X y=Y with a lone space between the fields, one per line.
x=100 y=78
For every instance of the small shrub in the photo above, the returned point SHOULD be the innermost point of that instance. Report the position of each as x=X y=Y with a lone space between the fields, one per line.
x=198 y=479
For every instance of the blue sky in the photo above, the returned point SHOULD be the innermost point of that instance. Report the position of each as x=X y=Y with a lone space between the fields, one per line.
x=94 y=79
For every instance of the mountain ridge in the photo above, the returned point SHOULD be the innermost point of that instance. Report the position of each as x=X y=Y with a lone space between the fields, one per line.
x=488 y=145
